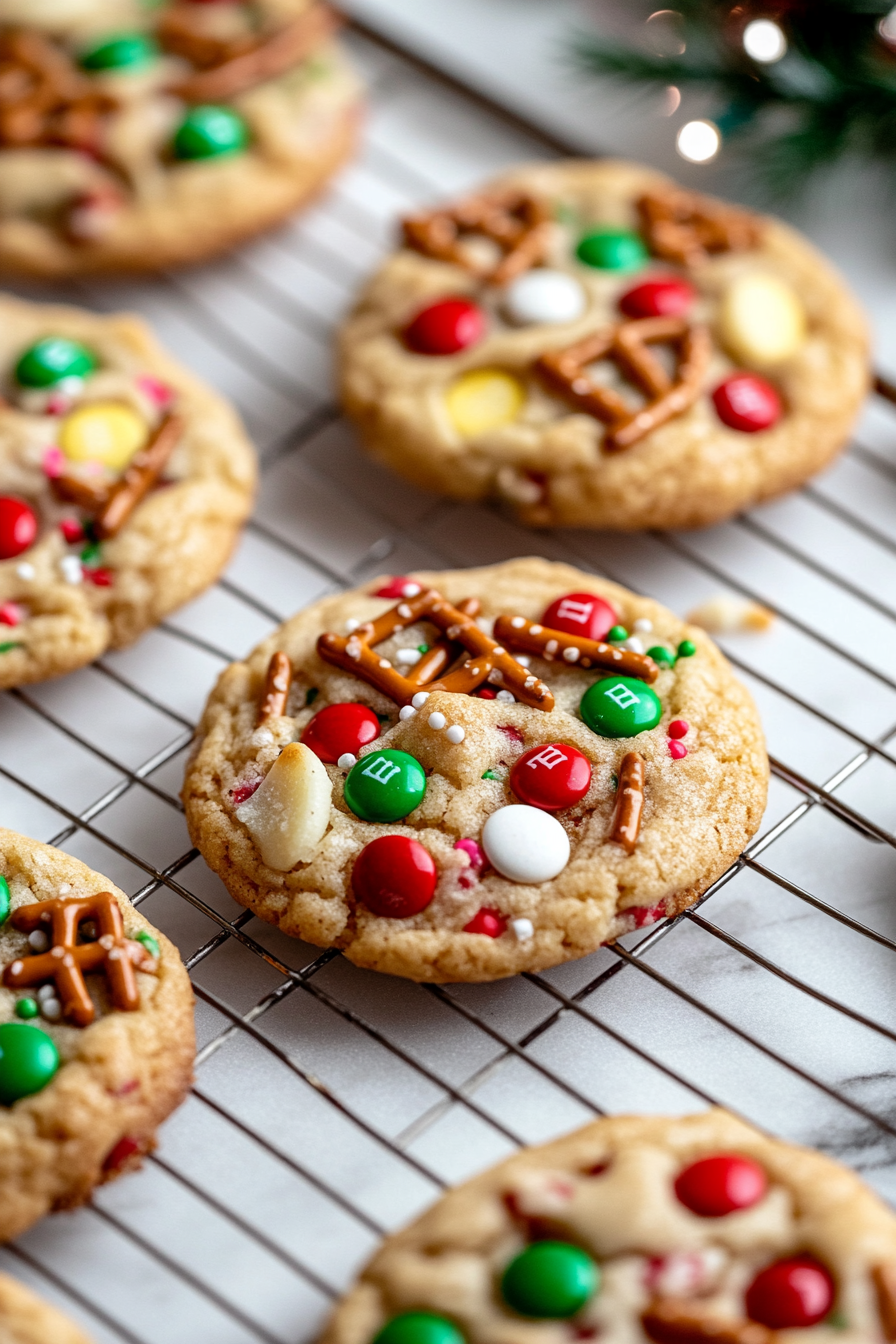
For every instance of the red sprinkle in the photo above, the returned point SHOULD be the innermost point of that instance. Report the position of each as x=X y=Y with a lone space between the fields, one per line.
x=395 y=876
x=490 y=922
x=678 y=728
x=72 y=530
x=474 y=850
x=486 y=693
x=341 y=728
x=240 y=792
x=18 y=526
x=445 y=327
x=582 y=614
x=123 y=1151
x=747 y=403
x=399 y=586
x=790 y=1293
x=513 y=733
x=646 y=914
x=155 y=389
x=667 y=296
x=551 y=777
x=677 y=750
x=101 y=578
x=724 y=1183
x=11 y=613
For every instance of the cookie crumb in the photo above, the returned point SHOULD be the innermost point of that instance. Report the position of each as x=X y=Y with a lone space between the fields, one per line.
x=726 y=615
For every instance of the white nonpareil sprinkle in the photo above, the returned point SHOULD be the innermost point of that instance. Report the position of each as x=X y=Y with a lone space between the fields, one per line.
x=523 y=929
x=46 y=992
x=643 y=625
x=51 y=1009
x=406 y=712
x=517 y=622
x=347 y=760
x=633 y=644
x=408 y=656
x=411 y=590
x=26 y=571
x=405 y=611
x=506 y=696
x=571 y=654
x=71 y=569
x=523 y=659
x=420 y=699
x=437 y=721
x=38 y=941
x=455 y=734
x=351 y=625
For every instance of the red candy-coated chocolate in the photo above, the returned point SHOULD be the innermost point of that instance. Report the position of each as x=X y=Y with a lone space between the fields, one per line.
x=747 y=403
x=399 y=586
x=18 y=526
x=394 y=876
x=790 y=1293
x=580 y=614
x=445 y=327
x=721 y=1184
x=665 y=297
x=677 y=750
x=678 y=728
x=340 y=728
x=551 y=777
x=490 y=922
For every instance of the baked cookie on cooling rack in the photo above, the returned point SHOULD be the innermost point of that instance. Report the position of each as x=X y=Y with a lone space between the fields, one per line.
x=633 y=1229
x=140 y=136
x=124 y=483
x=96 y=1032
x=26 y=1319
x=600 y=348
x=463 y=775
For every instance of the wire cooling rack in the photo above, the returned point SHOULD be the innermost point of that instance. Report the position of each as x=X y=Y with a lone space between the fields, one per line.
x=332 y=1104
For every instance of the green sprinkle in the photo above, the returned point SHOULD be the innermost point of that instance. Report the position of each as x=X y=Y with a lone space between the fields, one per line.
x=27 y=1008
x=836 y=1320
x=687 y=648
x=616 y=634
x=491 y=774
x=4 y=900
x=92 y=553
x=148 y=942
x=661 y=655
x=10 y=644
x=311 y=695
x=423 y=648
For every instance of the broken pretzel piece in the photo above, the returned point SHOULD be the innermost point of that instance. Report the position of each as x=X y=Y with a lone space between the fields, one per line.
x=518 y=223
x=671 y=1320
x=626 y=344
x=687 y=228
x=44 y=98
x=515 y=632
x=113 y=506
x=629 y=802
x=276 y=689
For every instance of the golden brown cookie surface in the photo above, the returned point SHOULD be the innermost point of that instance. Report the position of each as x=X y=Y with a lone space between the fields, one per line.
x=733 y=337
x=25 y=1319
x=96 y=1032
x=536 y=834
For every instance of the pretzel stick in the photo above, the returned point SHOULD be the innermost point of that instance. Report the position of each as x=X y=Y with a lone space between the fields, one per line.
x=629 y=802
x=669 y=1320
x=515 y=632
x=884 y=1279
x=443 y=652
x=73 y=490
x=276 y=689
x=696 y=351
x=272 y=56
x=139 y=477
x=180 y=32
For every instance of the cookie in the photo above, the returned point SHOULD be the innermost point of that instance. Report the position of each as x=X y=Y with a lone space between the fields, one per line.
x=598 y=348
x=635 y=1228
x=464 y=775
x=137 y=137
x=25 y=1319
x=123 y=486
x=96 y=1032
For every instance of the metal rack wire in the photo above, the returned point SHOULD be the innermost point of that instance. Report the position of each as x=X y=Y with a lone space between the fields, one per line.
x=331 y=1104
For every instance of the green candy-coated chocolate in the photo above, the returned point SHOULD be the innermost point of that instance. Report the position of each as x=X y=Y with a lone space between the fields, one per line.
x=123 y=51
x=27 y=1008
x=28 y=1061
x=550 y=1279
x=148 y=942
x=620 y=707
x=612 y=250
x=52 y=359
x=419 y=1327
x=661 y=655
x=687 y=648
x=385 y=786
x=210 y=132
x=4 y=900
x=616 y=634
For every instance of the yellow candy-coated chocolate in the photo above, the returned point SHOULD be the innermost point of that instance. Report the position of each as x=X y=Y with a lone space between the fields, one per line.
x=761 y=320
x=103 y=431
x=482 y=400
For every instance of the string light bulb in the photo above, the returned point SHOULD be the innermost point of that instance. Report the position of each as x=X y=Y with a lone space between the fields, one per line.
x=698 y=141
x=887 y=28
x=764 y=41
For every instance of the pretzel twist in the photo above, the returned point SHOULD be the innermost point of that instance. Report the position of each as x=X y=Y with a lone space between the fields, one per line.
x=884 y=1278
x=113 y=505
x=488 y=661
x=277 y=682
x=626 y=825
x=515 y=632
x=685 y=227
x=670 y=1320
x=517 y=222
x=626 y=344
x=44 y=97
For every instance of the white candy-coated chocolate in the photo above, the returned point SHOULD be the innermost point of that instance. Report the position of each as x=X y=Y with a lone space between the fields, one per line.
x=544 y=296
x=761 y=320
x=525 y=844
x=288 y=814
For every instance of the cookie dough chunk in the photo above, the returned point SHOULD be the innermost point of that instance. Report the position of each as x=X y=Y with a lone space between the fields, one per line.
x=96 y=1032
x=123 y=486
x=25 y=1319
x=634 y=1229
x=467 y=774
x=598 y=348
x=136 y=137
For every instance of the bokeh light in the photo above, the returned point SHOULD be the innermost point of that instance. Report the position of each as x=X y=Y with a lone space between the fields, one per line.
x=698 y=141
x=764 y=41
